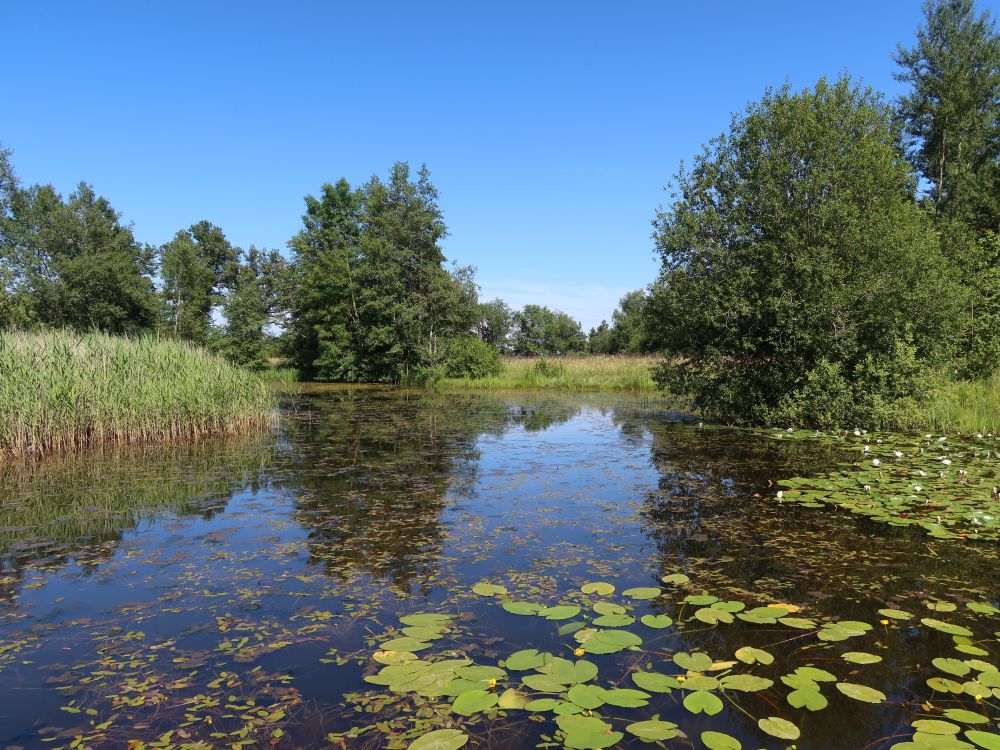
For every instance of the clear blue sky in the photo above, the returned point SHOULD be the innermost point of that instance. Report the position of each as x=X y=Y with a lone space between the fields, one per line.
x=549 y=128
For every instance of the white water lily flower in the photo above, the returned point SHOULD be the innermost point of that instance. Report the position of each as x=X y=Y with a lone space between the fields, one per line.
x=857 y=432
x=922 y=473
x=875 y=462
x=780 y=494
x=942 y=439
x=946 y=461
x=866 y=487
x=898 y=454
x=917 y=488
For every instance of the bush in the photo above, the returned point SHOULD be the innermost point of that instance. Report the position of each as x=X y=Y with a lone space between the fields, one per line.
x=468 y=357
x=547 y=368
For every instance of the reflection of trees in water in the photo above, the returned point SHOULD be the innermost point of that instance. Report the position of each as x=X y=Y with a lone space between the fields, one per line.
x=79 y=506
x=374 y=469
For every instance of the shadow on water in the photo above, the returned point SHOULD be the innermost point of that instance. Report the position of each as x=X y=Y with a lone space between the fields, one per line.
x=233 y=592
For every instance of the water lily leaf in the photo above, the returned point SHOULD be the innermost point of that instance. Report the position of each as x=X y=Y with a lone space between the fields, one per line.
x=895 y=614
x=473 y=702
x=700 y=682
x=778 y=727
x=478 y=672
x=806 y=698
x=983 y=608
x=941 y=606
x=655 y=682
x=522 y=608
x=405 y=644
x=586 y=696
x=701 y=600
x=800 y=682
x=750 y=655
x=567 y=708
x=985 y=740
x=527 y=659
x=562 y=612
x=703 y=702
x=952 y=666
x=600 y=588
x=423 y=632
x=488 y=589
x=642 y=592
x=511 y=698
x=746 y=683
x=966 y=717
x=676 y=579
x=440 y=739
x=541 y=704
x=711 y=616
x=570 y=627
x=656 y=621
x=815 y=674
x=936 y=726
x=720 y=741
x=568 y=672
x=946 y=627
x=587 y=732
x=944 y=685
x=696 y=662
x=626 y=698
x=800 y=623
x=544 y=683
x=609 y=608
x=860 y=657
x=614 y=621
x=394 y=657
x=860 y=692
x=621 y=638
x=653 y=730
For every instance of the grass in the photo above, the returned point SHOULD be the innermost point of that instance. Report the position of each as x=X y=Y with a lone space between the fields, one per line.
x=579 y=373
x=962 y=406
x=62 y=391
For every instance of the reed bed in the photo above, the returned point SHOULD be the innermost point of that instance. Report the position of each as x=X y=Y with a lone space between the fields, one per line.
x=962 y=406
x=61 y=391
x=579 y=373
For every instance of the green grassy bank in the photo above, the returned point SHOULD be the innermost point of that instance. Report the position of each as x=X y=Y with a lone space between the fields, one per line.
x=62 y=391
x=581 y=373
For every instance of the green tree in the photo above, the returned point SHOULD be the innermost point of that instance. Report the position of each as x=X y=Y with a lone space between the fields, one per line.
x=951 y=115
x=70 y=263
x=196 y=267
x=600 y=340
x=494 y=322
x=370 y=300
x=252 y=304
x=952 y=110
x=801 y=281
x=628 y=324
x=539 y=330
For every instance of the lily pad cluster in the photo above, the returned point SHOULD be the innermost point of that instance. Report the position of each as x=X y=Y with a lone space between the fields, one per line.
x=581 y=691
x=948 y=487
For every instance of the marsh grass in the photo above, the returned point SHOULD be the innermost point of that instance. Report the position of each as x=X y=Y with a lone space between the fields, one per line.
x=62 y=391
x=580 y=373
x=962 y=406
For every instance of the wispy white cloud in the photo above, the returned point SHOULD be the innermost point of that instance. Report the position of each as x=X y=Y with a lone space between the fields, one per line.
x=588 y=303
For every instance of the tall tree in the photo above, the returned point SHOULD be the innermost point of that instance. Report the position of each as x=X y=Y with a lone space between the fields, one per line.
x=252 y=304
x=71 y=262
x=539 y=330
x=494 y=322
x=196 y=267
x=372 y=300
x=952 y=110
x=628 y=324
x=801 y=281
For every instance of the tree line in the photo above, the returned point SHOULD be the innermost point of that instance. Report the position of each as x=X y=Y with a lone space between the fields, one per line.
x=829 y=254
x=366 y=295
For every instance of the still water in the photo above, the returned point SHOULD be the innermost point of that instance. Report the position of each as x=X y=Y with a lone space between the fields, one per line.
x=232 y=594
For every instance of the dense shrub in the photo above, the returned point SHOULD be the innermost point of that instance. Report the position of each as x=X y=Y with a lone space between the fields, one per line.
x=469 y=357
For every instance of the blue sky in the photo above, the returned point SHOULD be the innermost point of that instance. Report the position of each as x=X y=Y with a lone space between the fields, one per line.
x=549 y=128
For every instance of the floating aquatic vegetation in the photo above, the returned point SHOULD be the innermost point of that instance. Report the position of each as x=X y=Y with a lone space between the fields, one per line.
x=949 y=488
x=578 y=691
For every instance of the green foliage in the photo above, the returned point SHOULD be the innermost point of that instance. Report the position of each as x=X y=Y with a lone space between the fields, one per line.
x=468 y=357
x=372 y=301
x=495 y=320
x=71 y=262
x=539 y=330
x=61 y=390
x=251 y=305
x=799 y=275
x=628 y=325
x=196 y=266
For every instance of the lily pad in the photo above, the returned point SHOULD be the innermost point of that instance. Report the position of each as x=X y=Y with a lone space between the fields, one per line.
x=778 y=727
x=720 y=741
x=440 y=739
x=861 y=692
x=473 y=702
x=702 y=702
x=653 y=730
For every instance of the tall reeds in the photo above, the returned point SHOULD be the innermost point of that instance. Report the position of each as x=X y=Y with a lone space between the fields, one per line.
x=62 y=391
x=570 y=373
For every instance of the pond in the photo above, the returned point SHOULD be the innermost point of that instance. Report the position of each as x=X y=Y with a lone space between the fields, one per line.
x=492 y=571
